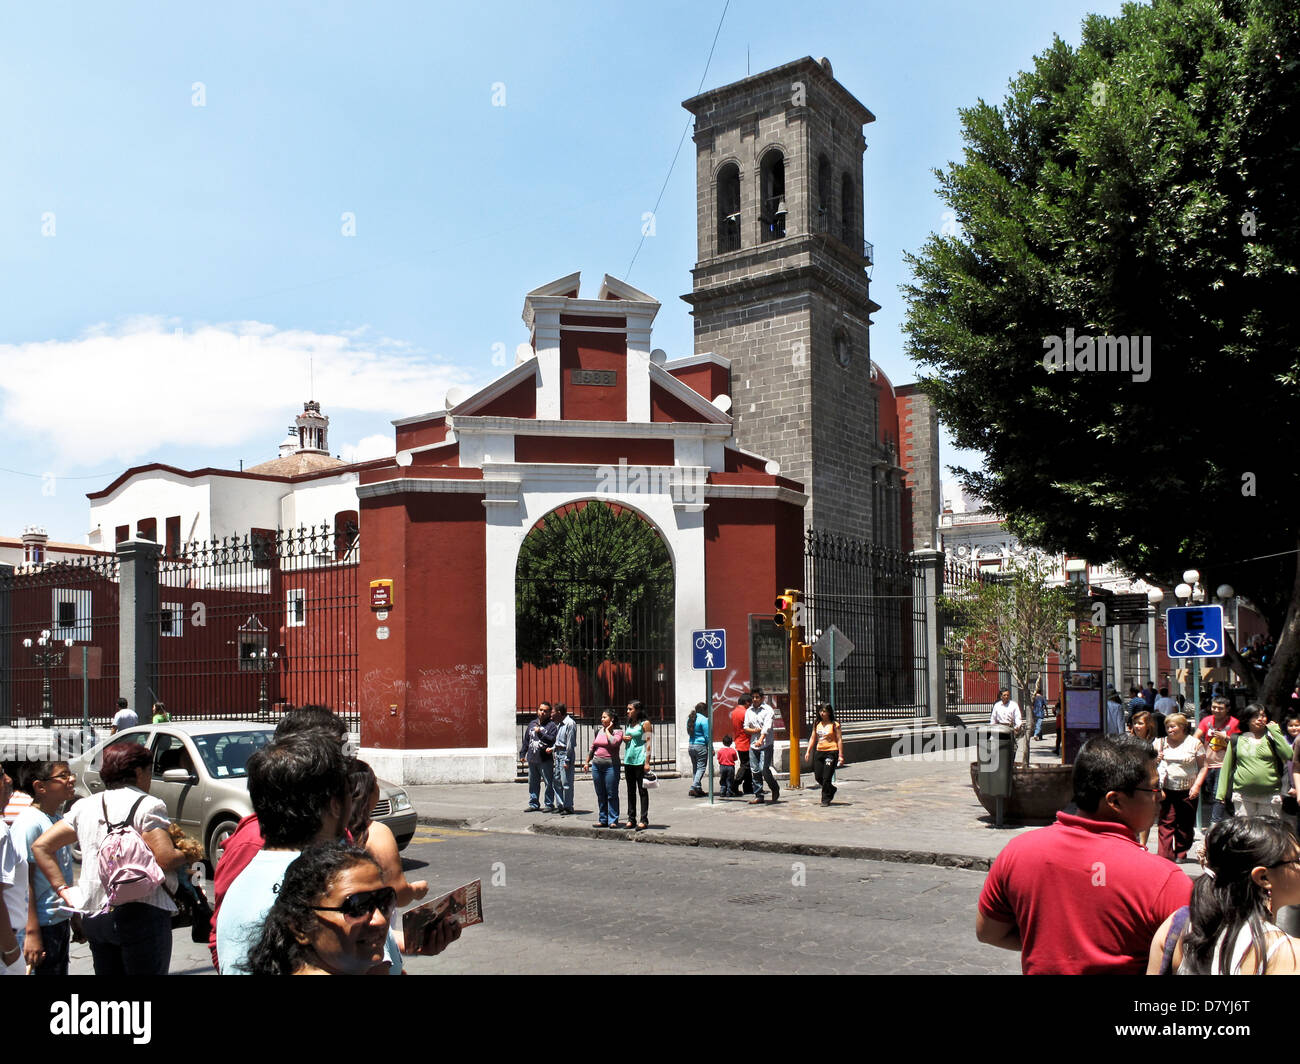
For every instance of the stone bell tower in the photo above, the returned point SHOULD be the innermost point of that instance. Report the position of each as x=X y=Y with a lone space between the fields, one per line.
x=781 y=285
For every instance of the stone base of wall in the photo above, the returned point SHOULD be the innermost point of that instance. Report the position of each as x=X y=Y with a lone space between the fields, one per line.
x=415 y=767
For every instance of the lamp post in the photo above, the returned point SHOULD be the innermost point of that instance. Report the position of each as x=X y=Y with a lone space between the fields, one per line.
x=47 y=659
x=1155 y=596
x=1190 y=591
x=1227 y=593
x=265 y=663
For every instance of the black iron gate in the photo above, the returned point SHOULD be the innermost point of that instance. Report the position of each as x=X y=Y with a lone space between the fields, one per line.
x=249 y=626
x=594 y=654
x=53 y=618
x=876 y=598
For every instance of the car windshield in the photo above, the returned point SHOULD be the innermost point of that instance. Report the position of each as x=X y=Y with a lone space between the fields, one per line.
x=226 y=754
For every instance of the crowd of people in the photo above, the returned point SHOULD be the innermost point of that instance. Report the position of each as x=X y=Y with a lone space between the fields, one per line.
x=619 y=750
x=1041 y=896
x=308 y=884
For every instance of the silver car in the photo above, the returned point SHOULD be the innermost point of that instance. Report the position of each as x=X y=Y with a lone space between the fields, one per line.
x=199 y=771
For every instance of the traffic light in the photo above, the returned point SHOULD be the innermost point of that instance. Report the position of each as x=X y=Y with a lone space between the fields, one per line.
x=786 y=605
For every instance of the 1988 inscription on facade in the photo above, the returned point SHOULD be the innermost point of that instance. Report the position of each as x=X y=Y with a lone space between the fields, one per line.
x=606 y=377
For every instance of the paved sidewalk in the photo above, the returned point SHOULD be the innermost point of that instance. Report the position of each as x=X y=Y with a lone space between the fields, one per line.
x=908 y=809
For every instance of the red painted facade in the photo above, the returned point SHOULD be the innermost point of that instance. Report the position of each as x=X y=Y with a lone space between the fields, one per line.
x=425 y=685
x=576 y=450
x=599 y=352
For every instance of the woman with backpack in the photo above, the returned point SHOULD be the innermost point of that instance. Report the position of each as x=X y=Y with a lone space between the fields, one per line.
x=126 y=855
x=697 y=727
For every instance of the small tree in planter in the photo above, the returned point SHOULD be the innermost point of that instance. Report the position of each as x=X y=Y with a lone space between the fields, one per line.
x=1011 y=624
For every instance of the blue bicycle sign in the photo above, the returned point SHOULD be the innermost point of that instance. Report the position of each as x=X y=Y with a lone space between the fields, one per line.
x=710 y=648
x=1194 y=631
x=1202 y=643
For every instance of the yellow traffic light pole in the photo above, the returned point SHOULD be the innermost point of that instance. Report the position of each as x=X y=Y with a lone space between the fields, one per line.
x=800 y=655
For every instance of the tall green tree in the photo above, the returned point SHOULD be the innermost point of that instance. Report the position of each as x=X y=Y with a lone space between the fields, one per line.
x=1144 y=185
x=591 y=582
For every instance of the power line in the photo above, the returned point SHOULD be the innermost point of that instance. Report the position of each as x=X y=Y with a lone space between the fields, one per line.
x=58 y=476
x=682 y=140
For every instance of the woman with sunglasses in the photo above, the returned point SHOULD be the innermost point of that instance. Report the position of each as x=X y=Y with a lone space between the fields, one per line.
x=330 y=917
x=1252 y=870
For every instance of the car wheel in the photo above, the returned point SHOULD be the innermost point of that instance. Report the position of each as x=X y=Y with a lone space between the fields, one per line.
x=403 y=841
x=217 y=838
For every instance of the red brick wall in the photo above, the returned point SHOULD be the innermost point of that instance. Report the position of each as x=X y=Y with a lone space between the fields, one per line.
x=426 y=685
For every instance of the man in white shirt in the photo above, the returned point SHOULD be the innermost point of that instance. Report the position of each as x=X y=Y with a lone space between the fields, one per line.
x=1007 y=712
x=759 y=719
x=124 y=717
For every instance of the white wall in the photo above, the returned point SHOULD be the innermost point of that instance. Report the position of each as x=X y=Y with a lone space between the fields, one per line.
x=157 y=494
x=315 y=502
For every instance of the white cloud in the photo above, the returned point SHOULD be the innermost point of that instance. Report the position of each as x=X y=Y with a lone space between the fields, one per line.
x=124 y=392
x=368 y=447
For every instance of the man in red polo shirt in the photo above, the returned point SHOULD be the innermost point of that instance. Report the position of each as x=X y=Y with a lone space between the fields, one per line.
x=1081 y=897
x=744 y=782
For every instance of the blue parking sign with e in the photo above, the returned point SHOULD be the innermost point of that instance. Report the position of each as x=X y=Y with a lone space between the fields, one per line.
x=1194 y=631
x=709 y=648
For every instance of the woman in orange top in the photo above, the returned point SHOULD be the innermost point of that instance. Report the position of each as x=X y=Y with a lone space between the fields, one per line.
x=829 y=752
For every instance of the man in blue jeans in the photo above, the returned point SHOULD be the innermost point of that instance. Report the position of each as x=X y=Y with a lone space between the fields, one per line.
x=538 y=739
x=762 y=741
x=563 y=754
x=1040 y=714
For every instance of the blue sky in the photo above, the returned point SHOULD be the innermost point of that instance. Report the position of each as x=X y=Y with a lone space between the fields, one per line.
x=168 y=272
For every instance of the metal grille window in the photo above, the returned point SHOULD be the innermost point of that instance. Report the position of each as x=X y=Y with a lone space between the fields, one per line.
x=295 y=608
x=70 y=615
x=171 y=619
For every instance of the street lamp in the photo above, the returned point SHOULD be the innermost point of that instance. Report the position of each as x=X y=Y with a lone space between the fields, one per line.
x=1190 y=591
x=47 y=659
x=1155 y=596
x=265 y=664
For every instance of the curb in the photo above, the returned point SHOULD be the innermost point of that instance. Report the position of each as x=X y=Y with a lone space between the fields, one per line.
x=798 y=849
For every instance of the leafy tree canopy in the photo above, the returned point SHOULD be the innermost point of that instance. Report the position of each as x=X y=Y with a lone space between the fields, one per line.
x=589 y=580
x=1143 y=185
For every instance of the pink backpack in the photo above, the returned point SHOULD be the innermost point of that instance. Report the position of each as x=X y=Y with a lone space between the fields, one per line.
x=128 y=869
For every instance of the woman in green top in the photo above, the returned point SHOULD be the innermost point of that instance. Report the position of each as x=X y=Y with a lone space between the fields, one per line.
x=1254 y=766
x=160 y=714
x=636 y=734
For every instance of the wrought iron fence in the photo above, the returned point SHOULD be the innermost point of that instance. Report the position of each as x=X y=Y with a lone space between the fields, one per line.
x=54 y=618
x=966 y=689
x=249 y=626
x=875 y=598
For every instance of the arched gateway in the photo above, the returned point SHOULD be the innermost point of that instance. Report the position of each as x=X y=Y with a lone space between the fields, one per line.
x=594 y=615
x=592 y=422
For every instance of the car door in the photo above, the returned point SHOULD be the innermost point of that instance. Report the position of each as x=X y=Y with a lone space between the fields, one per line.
x=90 y=779
x=184 y=800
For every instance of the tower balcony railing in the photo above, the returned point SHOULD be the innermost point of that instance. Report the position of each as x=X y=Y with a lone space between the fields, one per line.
x=868 y=253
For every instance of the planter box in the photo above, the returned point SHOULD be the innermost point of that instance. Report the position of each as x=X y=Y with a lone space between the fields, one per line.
x=1038 y=792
